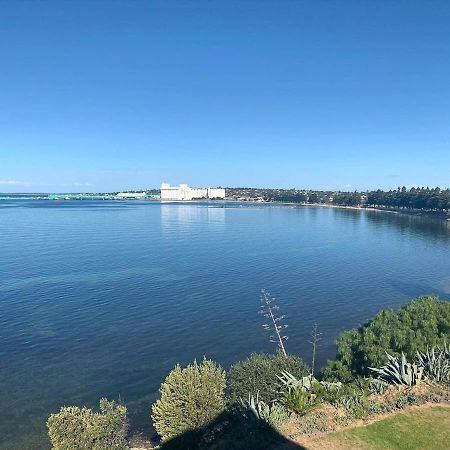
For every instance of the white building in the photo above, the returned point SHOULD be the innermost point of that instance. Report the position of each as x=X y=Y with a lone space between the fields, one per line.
x=184 y=192
x=216 y=193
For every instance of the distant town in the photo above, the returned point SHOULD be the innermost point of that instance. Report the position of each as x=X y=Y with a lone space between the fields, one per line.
x=420 y=199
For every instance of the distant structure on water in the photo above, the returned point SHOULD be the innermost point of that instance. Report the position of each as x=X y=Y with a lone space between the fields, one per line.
x=132 y=195
x=185 y=192
x=118 y=196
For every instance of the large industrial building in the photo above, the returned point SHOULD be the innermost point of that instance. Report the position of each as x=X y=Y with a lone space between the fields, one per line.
x=184 y=192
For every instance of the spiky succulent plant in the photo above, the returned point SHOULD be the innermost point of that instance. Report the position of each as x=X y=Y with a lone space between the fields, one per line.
x=378 y=386
x=289 y=381
x=254 y=409
x=298 y=395
x=399 y=371
x=436 y=363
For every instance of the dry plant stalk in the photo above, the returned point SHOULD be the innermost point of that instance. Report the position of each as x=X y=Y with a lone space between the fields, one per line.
x=269 y=309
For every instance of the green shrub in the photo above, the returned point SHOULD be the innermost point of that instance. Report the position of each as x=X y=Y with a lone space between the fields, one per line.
x=259 y=374
x=191 y=397
x=76 y=428
x=337 y=370
x=422 y=323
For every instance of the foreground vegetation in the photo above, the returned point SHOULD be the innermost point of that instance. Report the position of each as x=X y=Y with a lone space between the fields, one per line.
x=396 y=360
x=422 y=323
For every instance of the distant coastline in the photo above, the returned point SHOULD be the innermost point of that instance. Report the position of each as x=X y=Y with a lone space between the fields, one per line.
x=438 y=214
x=409 y=212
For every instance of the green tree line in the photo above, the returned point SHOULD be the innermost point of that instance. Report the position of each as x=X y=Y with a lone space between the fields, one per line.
x=416 y=198
x=421 y=198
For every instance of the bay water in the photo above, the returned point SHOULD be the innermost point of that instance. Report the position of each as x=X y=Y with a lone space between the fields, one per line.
x=102 y=299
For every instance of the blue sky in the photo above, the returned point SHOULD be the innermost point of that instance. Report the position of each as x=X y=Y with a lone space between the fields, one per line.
x=110 y=95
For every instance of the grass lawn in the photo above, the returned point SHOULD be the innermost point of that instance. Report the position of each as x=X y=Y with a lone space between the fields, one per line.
x=427 y=427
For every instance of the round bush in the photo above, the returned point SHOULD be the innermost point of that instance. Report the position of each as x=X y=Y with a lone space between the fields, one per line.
x=191 y=397
x=76 y=428
x=258 y=374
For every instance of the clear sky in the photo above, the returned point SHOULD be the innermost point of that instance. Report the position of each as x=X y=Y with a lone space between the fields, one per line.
x=124 y=94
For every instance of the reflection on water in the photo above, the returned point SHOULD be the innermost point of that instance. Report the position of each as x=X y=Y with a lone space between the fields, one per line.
x=185 y=216
x=104 y=298
x=431 y=228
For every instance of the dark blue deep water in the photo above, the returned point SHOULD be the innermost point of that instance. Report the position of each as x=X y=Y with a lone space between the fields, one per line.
x=104 y=298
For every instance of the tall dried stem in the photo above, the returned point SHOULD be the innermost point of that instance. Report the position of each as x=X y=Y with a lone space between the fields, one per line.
x=269 y=309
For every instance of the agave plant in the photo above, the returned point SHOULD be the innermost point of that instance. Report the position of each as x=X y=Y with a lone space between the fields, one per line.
x=299 y=401
x=436 y=363
x=289 y=381
x=254 y=409
x=297 y=395
x=446 y=350
x=399 y=371
x=378 y=386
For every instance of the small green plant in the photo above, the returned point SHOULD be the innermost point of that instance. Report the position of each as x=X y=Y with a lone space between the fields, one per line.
x=399 y=371
x=436 y=363
x=299 y=401
x=74 y=428
x=332 y=392
x=356 y=406
x=349 y=402
x=297 y=394
x=255 y=409
x=374 y=408
x=330 y=386
x=378 y=386
x=190 y=398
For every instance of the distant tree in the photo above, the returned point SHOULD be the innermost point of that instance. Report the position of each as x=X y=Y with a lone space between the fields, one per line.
x=347 y=199
x=415 y=198
x=314 y=198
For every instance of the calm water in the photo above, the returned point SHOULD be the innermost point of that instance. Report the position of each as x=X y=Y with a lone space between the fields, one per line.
x=102 y=299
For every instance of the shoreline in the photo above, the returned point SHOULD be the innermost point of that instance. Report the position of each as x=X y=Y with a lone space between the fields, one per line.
x=409 y=212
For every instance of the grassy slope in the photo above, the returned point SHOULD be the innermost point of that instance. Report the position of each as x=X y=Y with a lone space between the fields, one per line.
x=423 y=428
